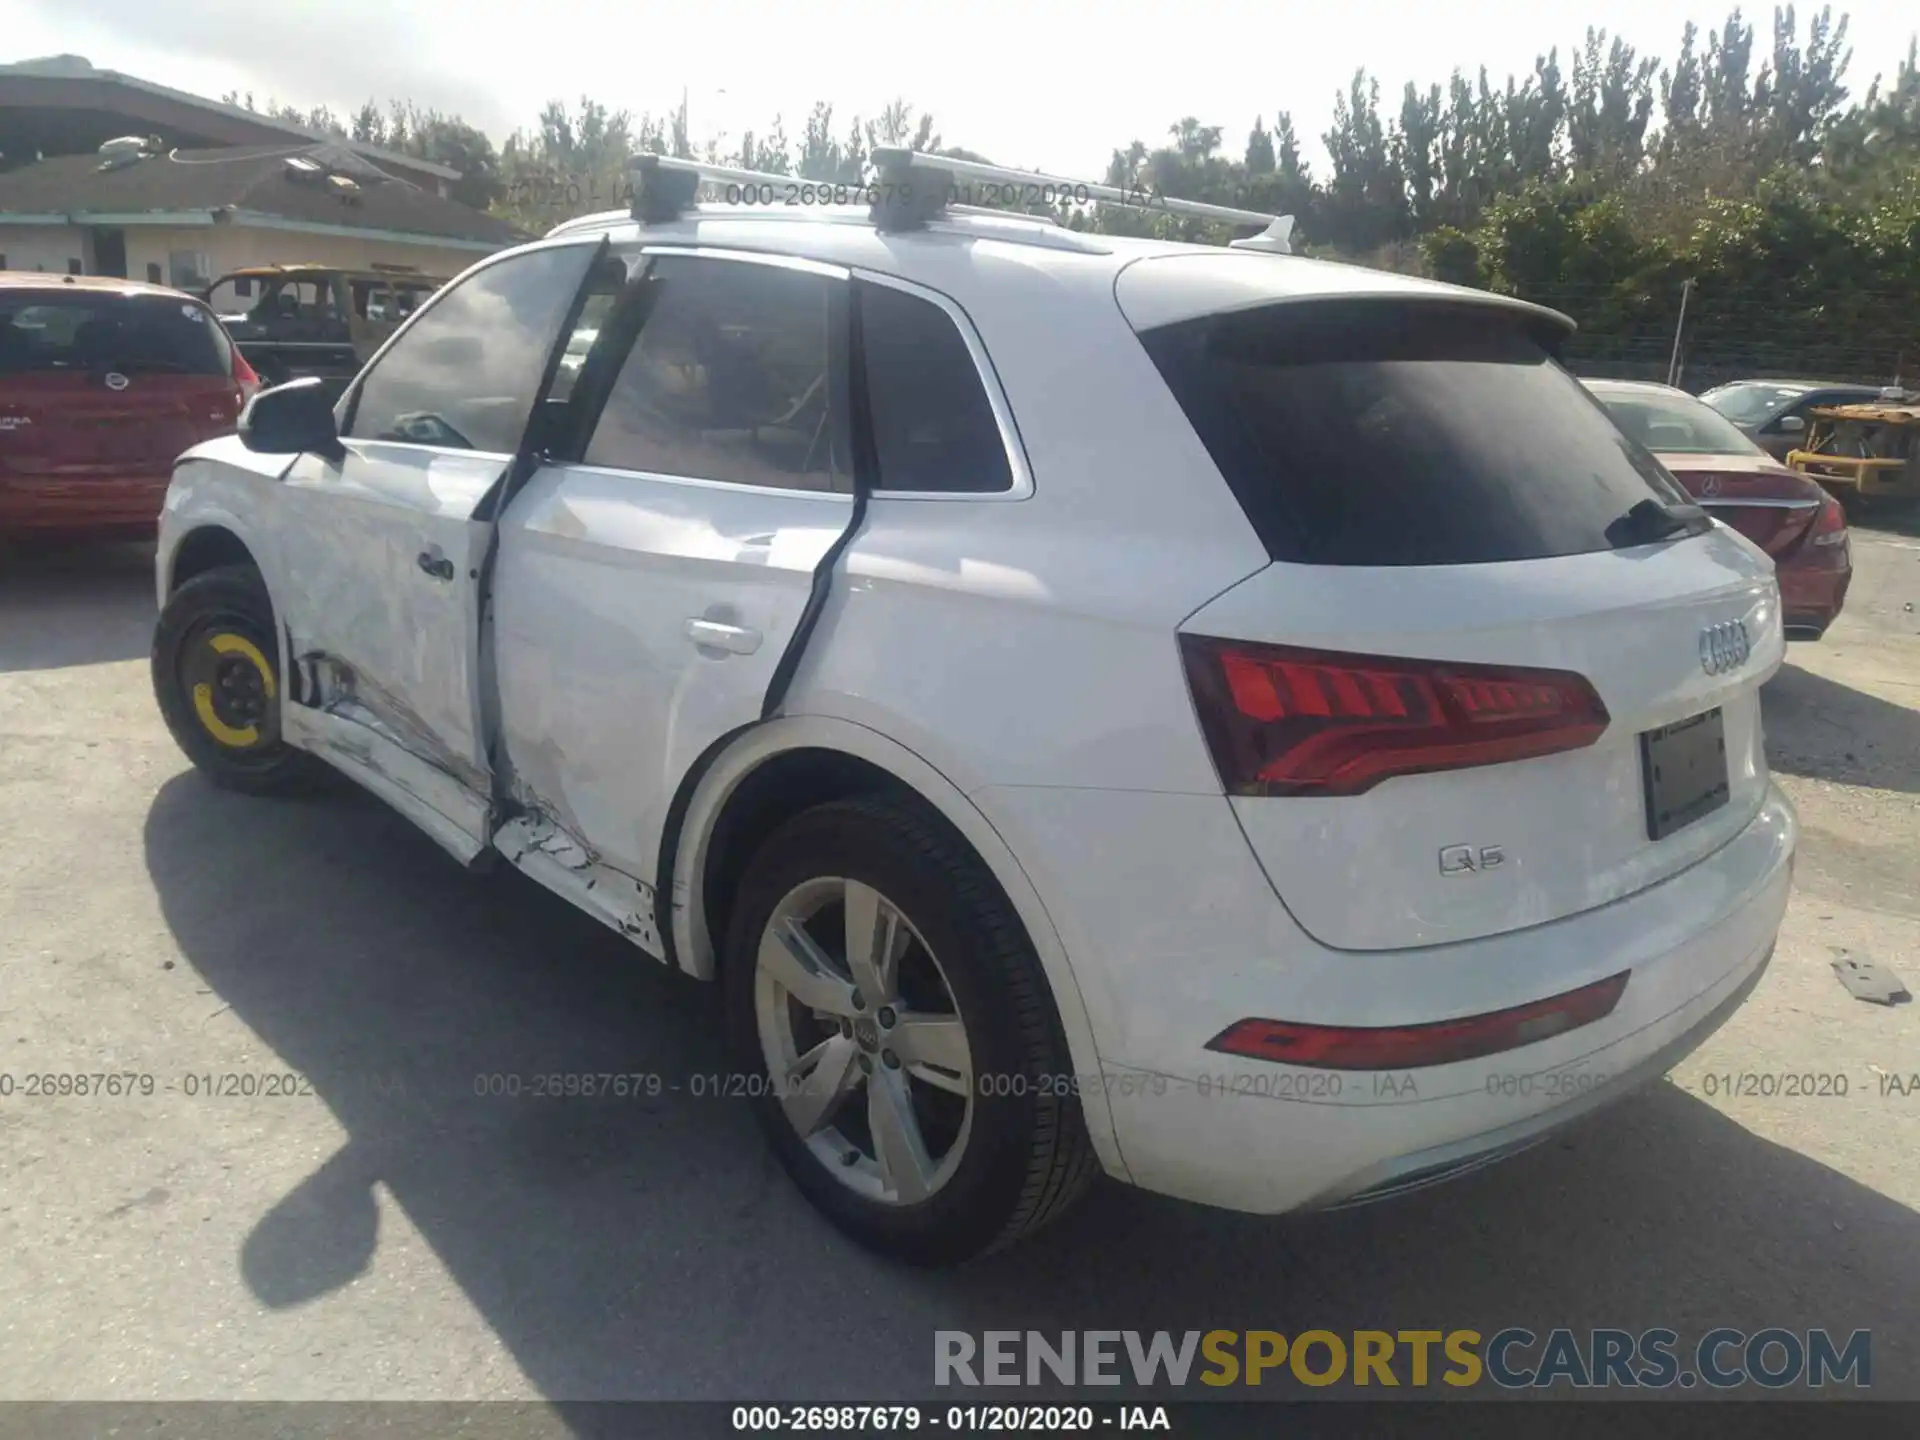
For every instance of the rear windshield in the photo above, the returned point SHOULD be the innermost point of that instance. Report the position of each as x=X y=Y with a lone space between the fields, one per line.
x=1378 y=433
x=1676 y=424
x=84 y=330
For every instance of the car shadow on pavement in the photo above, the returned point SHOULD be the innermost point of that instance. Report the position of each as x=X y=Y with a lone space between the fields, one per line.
x=1823 y=730
x=74 y=604
x=649 y=1247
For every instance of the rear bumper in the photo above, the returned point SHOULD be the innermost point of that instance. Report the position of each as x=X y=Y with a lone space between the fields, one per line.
x=1404 y=1174
x=1263 y=1137
x=81 y=505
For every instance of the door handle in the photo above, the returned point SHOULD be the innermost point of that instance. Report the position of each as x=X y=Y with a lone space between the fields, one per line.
x=437 y=566
x=718 y=635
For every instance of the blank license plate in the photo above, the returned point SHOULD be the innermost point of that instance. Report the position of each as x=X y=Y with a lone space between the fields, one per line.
x=1685 y=770
x=119 y=439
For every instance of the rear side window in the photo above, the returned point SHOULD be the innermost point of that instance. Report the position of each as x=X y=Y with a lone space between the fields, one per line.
x=933 y=427
x=1376 y=433
x=735 y=376
x=105 y=332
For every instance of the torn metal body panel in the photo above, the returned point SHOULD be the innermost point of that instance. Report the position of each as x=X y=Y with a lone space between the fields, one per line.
x=328 y=683
x=561 y=861
x=379 y=589
x=375 y=739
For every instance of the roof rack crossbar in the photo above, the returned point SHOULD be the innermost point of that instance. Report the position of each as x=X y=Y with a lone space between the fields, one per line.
x=911 y=187
x=665 y=187
x=896 y=206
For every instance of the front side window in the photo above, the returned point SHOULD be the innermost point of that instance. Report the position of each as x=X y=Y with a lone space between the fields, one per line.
x=293 y=301
x=463 y=377
x=933 y=427
x=735 y=375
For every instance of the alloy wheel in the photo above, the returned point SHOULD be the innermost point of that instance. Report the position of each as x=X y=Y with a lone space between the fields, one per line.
x=865 y=1047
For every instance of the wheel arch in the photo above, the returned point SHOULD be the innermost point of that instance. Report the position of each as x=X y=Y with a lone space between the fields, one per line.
x=203 y=548
x=208 y=527
x=762 y=774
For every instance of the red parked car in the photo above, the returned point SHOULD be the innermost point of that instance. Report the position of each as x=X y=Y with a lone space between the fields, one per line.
x=103 y=383
x=1789 y=516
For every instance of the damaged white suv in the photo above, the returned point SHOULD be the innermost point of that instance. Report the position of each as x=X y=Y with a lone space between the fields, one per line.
x=1248 y=725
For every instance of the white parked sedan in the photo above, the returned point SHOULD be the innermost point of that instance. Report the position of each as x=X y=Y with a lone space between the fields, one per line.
x=1248 y=725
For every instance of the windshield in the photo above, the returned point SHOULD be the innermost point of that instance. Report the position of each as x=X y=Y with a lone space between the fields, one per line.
x=1373 y=433
x=102 y=330
x=1676 y=424
x=1750 y=404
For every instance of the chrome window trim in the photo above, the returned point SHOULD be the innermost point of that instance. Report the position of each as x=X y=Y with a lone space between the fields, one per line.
x=504 y=457
x=745 y=257
x=562 y=467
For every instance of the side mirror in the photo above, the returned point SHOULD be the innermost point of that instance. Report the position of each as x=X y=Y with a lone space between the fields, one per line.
x=1790 y=424
x=291 y=419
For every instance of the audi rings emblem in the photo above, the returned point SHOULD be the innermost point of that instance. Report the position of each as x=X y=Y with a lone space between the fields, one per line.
x=1724 y=647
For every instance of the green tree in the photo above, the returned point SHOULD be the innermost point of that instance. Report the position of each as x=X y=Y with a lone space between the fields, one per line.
x=1609 y=108
x=1365 y=202
x=1259 y=159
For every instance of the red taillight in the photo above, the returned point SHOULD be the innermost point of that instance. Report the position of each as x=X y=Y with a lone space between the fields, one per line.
x=1286 y=721
x=1830 y=528
x=1408 y=1047
x=244 y=376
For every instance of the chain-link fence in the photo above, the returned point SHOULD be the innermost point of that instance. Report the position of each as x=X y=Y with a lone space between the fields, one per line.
x=1703 y=339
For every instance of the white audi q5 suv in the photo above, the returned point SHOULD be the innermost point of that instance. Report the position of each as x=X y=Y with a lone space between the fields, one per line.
x=1248 y=725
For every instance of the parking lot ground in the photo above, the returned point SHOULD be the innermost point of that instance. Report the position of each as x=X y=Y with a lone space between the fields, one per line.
x=383 y=1231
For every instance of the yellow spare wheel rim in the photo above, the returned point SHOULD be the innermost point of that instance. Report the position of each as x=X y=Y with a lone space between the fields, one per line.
x=233 y=690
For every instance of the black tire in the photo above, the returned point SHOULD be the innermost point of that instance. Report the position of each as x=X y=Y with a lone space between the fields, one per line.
x=215 y=627
x=1027 y=1156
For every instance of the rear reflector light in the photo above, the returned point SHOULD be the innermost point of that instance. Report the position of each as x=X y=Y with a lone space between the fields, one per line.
x=1286 y=721
x=1831 y=527
x=1408 y=1047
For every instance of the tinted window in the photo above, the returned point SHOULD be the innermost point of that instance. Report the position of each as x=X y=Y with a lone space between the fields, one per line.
x=1384 y=434
x=732 y=377
x=1676 y=424
x=933 y=428
x=80 y=330
x=464 y=376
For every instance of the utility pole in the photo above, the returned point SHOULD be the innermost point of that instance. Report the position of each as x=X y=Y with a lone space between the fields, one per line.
x=1679 y=330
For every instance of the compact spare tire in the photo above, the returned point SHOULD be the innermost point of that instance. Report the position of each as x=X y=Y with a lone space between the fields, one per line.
x=898 y=1037
x=216 y=675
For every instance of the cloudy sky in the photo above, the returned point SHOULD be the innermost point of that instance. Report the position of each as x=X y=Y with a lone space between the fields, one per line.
x=1050 y=86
